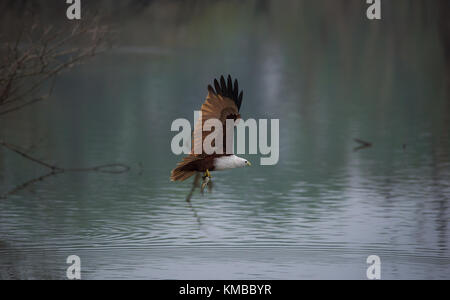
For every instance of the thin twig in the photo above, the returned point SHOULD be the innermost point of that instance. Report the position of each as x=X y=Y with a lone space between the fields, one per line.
x=18 y=107
x=23 y=154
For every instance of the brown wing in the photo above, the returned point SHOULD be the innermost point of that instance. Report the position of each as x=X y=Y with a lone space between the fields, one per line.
x=222 y=103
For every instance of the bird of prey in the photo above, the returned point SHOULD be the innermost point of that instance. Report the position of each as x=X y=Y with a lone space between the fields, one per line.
x=221 y=103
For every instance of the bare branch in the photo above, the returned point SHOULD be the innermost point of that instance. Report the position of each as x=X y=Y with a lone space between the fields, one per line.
x=115 y=168
x=29 y=64
x=41 y=53
x=23 y=154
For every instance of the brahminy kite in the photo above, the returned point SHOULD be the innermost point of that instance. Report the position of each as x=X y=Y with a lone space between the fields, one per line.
x=221 y=103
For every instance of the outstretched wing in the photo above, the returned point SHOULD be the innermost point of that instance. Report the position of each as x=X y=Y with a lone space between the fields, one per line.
x=221 y=103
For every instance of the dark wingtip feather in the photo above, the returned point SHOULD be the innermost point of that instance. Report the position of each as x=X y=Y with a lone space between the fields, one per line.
x=239 y=100
x=228 y=89
x=217 y=86
x=223 y=85
x=229 y=86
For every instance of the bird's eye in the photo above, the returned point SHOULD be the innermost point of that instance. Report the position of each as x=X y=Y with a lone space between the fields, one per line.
x=246 y=162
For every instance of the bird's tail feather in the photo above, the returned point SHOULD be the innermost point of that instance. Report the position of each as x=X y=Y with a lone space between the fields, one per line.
x=182 y=171
x=178 y=175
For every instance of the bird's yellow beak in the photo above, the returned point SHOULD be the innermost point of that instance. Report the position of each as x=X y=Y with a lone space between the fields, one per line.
x=248 y=164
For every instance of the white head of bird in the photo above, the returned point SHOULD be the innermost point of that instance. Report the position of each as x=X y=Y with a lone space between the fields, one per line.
x=230 y=162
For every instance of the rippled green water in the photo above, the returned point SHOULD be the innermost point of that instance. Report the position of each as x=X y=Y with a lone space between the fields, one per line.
x=317 y=214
